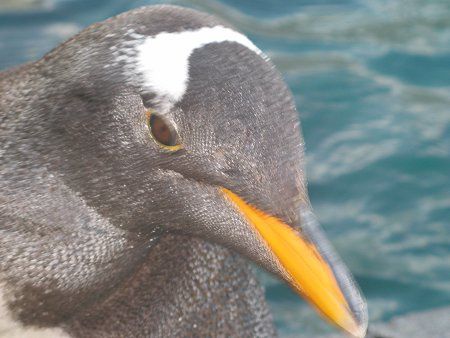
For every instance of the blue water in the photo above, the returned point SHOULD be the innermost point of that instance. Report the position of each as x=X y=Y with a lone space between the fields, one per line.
x=372 y=83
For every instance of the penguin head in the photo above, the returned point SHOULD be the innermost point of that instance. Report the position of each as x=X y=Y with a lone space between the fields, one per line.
x=168 y=120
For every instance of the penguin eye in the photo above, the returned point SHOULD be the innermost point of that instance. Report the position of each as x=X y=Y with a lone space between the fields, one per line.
x=162 y=132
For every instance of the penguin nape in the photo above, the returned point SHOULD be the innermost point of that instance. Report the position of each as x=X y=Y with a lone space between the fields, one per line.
x=143 y=161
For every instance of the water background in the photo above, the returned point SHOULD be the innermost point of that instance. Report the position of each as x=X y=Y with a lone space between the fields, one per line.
x=372 y=83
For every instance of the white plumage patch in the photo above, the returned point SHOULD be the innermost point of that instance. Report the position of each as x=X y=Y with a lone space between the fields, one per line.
x=163 y=59
x=10 y=328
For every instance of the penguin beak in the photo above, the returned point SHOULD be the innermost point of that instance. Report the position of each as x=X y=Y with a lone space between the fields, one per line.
x=308 y=263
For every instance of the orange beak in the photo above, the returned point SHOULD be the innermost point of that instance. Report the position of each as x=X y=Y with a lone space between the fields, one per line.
x=305 y=268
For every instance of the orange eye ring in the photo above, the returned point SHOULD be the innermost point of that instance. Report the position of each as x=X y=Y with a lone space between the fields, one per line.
x=162 y=132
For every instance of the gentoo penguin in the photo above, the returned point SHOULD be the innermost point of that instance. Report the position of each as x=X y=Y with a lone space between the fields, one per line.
x=143 y=163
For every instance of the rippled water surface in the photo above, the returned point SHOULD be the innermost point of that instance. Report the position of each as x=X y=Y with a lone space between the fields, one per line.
x=372 y=83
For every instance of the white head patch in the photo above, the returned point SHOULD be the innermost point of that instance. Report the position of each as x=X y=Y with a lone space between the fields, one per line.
x=163 y=59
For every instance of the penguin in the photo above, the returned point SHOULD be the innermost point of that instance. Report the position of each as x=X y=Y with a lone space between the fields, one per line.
x=145 y=163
